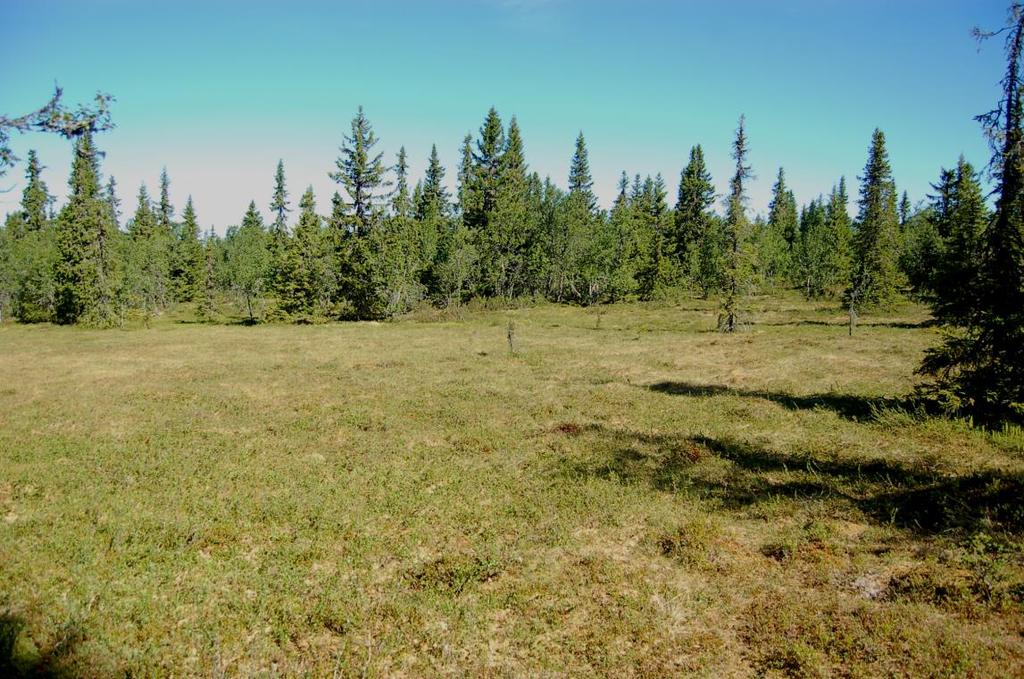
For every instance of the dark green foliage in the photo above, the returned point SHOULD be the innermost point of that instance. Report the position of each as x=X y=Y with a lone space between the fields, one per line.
x=165 y=211
x=34 y=199
x=81 y=271
x=504 y=230
x=877 y=242
x=148 y=256
x=822 y=254
x=979 y=369
x=905 y=209
x=694 y=219
x=778 y=240
x=959 y=219
x=306 y=284
x=361 y=173
x=187 y=257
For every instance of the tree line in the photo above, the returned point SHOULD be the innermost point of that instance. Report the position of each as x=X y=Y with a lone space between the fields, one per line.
x=384 y=246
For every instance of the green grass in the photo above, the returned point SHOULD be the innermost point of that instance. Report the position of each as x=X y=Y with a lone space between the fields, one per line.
x=631 y=493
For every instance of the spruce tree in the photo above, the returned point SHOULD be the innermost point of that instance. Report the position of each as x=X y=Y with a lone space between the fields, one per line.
x=904 y=209
x=979 y=369
x=878 y=276
x=777 y=241
x=466 y=195
x=149 y=259
x=736 y=227
x=113 y=202
x=279 y=202
x=188 y=262
x=506 y=232
x=361 y=173
x=165 y=211
x=307 y=280
x=81 y=225
x=434 y=200
x=693 y=215
x=35 y=198
x=486 y=172
x=401 y=202
x=960 y=261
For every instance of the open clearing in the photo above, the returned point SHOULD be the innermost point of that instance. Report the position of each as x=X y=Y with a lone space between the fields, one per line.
x=631 y=493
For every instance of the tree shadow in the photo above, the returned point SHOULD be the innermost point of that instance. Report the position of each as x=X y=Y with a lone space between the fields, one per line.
x=50 y=662
x=738 y=476
x=849 y=406
x=899 y=325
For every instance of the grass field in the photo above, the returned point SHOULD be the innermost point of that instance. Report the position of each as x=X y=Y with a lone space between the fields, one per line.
x=629 y=494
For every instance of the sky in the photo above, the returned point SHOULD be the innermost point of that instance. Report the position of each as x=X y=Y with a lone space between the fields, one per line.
x=218 y=91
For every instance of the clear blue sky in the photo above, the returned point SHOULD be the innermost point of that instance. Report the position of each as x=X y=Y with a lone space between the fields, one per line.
x=218 y=91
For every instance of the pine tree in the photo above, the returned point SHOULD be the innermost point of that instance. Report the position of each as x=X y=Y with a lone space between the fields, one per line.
x=979 y=369
x=361 y=173
x=693 y=215
x=877 y=273
x=737 y=260
x=581 y=184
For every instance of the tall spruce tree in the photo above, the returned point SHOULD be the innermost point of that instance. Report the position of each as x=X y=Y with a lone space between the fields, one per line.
x=486 y=173
x=113 y=202
x=361 y=173
x=165 y=211
x=693 y=215
x=149 y=283
x=506 y=233
x=35 y=198
x=188 y=257
x=979 y=369
x=736 y=228
x=279 y=201
x=401 y=202
x=877 y=243
x=81 y=225
x=306 y=284
x=777 y=241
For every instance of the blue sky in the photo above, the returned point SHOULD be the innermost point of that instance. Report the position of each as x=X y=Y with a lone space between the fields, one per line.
x=218 y=91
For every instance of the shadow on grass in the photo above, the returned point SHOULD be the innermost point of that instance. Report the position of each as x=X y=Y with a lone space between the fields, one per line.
x=899 y=325
x=49 y=662
x=850 y=406
x=739 y=476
